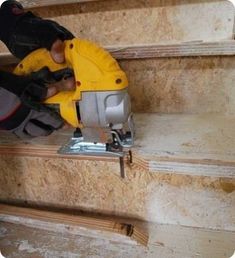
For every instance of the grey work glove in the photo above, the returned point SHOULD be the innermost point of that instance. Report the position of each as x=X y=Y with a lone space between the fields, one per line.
x=24 y=121
x=21 y=111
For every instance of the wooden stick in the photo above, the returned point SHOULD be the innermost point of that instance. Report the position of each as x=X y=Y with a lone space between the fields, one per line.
x=42 y=3
x=174 y=50
x=127 y=231
x=224 y=48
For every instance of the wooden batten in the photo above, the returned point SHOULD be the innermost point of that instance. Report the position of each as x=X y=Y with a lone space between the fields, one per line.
x=165 y=241
x=95 y=226
x=223 y=48
x=42 y=3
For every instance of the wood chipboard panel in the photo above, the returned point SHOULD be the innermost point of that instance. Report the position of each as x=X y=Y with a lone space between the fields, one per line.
x=182 y=85
x=183 y=173
x=134 y=22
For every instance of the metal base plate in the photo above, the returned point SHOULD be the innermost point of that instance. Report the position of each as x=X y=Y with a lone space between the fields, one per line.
x=76 y=146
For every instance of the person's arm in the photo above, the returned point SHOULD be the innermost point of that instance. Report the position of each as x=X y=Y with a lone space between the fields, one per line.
x=22 y=32
x=24 y=121
x=20 y=110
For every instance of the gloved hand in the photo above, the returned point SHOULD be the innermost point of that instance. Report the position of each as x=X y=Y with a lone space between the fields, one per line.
x=23 y=32
x=23 y=121
x=33 y=87
x=20 y=110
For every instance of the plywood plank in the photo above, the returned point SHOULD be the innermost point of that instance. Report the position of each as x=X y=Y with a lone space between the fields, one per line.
x=22 y=241
x=219 y=48
x=43 y=3
x=223 y=48
x=165 y=241
x=43 y=218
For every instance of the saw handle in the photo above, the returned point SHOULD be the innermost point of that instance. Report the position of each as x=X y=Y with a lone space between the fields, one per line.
x=64 y=73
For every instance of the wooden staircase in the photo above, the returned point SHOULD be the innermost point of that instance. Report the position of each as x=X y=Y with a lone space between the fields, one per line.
x=179 y=58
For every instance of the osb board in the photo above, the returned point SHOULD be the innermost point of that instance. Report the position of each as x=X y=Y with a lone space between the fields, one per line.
x=182 y=85
x=124 y=23
x=148 y=193
x=96 y=186
x=167 y=241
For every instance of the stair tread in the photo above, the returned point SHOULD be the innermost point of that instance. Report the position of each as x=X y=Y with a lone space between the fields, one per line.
x=172 y=143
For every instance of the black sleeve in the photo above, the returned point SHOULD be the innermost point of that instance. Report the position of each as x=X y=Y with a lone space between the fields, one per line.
x=32 y=87
x=10 y=13
x=23 y=32
x=13 y=83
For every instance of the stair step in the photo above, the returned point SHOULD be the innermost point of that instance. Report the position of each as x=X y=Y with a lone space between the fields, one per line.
x=196 y=145
x=182 y=173
x=111 y=23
